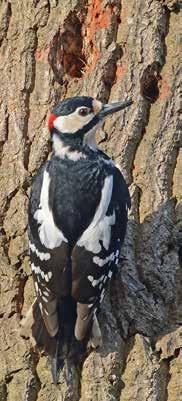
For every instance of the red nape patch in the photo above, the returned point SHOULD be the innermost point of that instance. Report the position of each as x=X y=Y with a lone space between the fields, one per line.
x=50 y=121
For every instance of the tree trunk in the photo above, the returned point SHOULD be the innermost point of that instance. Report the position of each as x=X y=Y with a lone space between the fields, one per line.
x=112 y=50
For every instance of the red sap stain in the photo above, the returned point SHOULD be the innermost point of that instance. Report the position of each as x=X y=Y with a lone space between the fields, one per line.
x=38 y=55
x=42 y=54
x=120 y=70
x=97 y=18
x=164 y=89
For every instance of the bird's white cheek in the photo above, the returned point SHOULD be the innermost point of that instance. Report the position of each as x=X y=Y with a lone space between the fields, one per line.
x=71 y=123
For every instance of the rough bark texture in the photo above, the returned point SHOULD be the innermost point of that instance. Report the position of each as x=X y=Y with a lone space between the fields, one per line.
x=52 y=49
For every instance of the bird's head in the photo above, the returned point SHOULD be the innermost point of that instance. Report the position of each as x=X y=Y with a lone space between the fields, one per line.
x=79 y=117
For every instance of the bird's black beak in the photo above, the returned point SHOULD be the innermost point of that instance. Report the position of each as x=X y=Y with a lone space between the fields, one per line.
x=113 y=107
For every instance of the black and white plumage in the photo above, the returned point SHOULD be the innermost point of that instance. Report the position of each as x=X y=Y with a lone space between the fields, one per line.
x=77 y=223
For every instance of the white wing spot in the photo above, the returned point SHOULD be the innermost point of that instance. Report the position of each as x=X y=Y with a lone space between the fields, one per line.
x=46 y=293
x=110 y=274
x=101 y=262
x=42 y=274
x=48 y=276
x=38 y=271
x=102 y=295
x=40 y=255
x=95 y=282
x=35 y=269
x=40 y=306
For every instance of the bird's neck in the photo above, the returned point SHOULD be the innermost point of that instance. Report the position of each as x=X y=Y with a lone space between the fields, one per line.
x=73 y=146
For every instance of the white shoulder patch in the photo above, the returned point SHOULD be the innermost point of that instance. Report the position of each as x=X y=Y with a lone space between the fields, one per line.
x=100 y=227
x=49 y=234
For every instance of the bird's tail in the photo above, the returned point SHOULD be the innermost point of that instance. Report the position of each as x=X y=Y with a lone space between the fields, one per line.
x=62 y=348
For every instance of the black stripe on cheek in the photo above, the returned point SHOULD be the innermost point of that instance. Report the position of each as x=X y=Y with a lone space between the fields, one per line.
x=86 y=128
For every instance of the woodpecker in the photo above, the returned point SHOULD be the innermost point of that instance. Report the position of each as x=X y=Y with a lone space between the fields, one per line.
x=77 y=221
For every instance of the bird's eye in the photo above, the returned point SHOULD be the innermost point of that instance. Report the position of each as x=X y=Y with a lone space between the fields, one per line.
x=83 y=111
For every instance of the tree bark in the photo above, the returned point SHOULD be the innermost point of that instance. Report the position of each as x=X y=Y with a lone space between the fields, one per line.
x=112 y=50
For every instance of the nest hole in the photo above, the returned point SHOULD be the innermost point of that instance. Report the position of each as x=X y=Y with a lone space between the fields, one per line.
x=66 y=50
x=149 y=82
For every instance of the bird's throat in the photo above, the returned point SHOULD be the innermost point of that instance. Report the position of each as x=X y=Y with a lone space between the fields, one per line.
x=65 y=146
x=73 y=146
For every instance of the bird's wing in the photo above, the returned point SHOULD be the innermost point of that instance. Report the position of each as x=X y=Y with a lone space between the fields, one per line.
x=51 y=280
x=96 y=254
x=48 y=253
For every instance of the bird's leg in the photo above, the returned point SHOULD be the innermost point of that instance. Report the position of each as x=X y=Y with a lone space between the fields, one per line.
x=96 y=336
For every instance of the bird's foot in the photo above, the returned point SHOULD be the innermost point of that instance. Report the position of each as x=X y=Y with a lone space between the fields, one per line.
x=57 y=362
x=56 y=366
